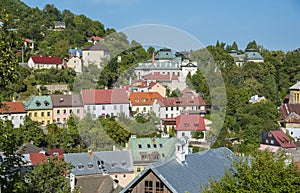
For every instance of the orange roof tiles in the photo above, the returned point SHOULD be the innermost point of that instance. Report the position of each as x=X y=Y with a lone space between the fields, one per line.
x=12 y=107
x=143 y=98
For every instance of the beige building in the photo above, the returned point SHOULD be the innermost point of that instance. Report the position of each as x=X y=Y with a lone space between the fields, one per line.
x=75 y=63
x=95 y=54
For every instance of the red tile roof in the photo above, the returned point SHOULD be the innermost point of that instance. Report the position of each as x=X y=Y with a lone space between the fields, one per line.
x=283 y=139
x=190 y=122
x=96 y=38
x=57 y=150
x=143 y=98
x=181 y=101
x=37 y=158
x=162 y=77
x=290 y=113
x=46 y=60
x=12 y=107
x=105 y=96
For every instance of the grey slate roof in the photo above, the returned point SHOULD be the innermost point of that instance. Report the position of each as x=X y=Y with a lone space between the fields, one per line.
x=195 y=172
x=295 y=86
x=96 y=47
x=112 y=162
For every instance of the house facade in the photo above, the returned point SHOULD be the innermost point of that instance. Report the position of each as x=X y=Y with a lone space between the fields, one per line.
x=95 y=54
x=45 y=62
x=166 y=67
x=75 y=63
x=273 y=140
x=167 y=109
x=191 y=126
x=142 y=102
x=290 y=119
x=14 y=112
x=66 y=105
x=100 y=103
x=39 y=108
x=148 y=150
x=295 y=94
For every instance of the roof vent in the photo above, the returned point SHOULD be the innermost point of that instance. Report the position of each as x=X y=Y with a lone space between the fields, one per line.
x=61 y=100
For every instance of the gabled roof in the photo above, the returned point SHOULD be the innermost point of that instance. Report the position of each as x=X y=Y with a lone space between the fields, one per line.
x=160 y=77
x=253 y=55
x=105 y=96
x=188 y=92
x=181 y=101
x=290 y=113
x=46 y=60
x=61 y=100
x=190 y=122
x=143 y=98
x=146 y=150
x=283 y=139
x=29 y=148
x=98 y=184
x=96 y=38
x=99 y=162
x=196 y=171
x=295 y=86
x=95 y=47
x=38 y=103
x=165 y=54
x=12 y=107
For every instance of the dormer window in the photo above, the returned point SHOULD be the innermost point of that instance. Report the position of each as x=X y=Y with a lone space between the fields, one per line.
x=61 y=100
x=123 y=163
x=186 y=124
x=113 y=164
x=80 y=166
x=38 y=103
x=46 y=103
x=196 y=125
x=90 y=165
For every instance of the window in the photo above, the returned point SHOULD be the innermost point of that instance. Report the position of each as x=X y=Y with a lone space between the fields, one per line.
x=70 y=111
x=58 y=119
x=48 y=122
x=43 y=114
x=144 y=109
x=148 y=186
x=64 y=119
x=183 y=134
x=156 y=156
x=177 y=108
x=88 y=108
x=21 y=117
x=35 y=114
x=267 y=141
x=166 y=108
x=94 y=107
x=43 y=122
x=159 y=188
x=30 y=114
x=272 y=141
x=121 y=107
x=154 y=145
x=48 y=114
x=171 y=108
x=140 y=146
x=138 y=169
x=148 y=145
x=65 y=111
x=58 y=111
x=78 y=111
x=124 y=176
x=196 y=125
x=103 y=107
x=115 y=107
x=161 y=145
x=166 y=115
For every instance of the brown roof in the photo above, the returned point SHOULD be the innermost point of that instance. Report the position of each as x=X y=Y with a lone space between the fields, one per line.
x=162 y=77
x=181 y=101
x=105 y=96
x=99 y=184
x=61 y=100
x=37 y=158
x=290 y=113
x=12 y=107
x=143 y=98
x=190 y=122
x=283 y=139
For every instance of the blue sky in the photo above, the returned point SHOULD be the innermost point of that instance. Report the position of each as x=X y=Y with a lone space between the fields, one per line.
x=272 y=23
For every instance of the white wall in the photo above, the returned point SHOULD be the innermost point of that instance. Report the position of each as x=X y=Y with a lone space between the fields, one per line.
x=16 y=118
x=99 y=110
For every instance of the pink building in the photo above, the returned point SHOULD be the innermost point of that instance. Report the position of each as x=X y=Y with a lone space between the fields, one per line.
x=65 y=105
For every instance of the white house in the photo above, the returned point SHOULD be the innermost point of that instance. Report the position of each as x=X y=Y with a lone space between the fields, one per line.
x=250 y=55
x=45 y=62
x=75 y=63
x=167 y=109
x=166 y=67
x=105 y=102
x=13 y=111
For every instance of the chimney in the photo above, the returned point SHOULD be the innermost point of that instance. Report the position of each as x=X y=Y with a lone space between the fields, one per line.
x=181 y=150
x=152 y=57
x=90 y=152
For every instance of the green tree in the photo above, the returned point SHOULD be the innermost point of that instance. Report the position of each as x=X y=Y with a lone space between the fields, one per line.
x=252 y=45
x=50 y=176
x=263 y=172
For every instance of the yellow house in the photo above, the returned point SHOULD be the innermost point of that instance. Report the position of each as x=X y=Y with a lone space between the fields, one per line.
x=157 y=87
x=39 y=108
x=295 y=93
